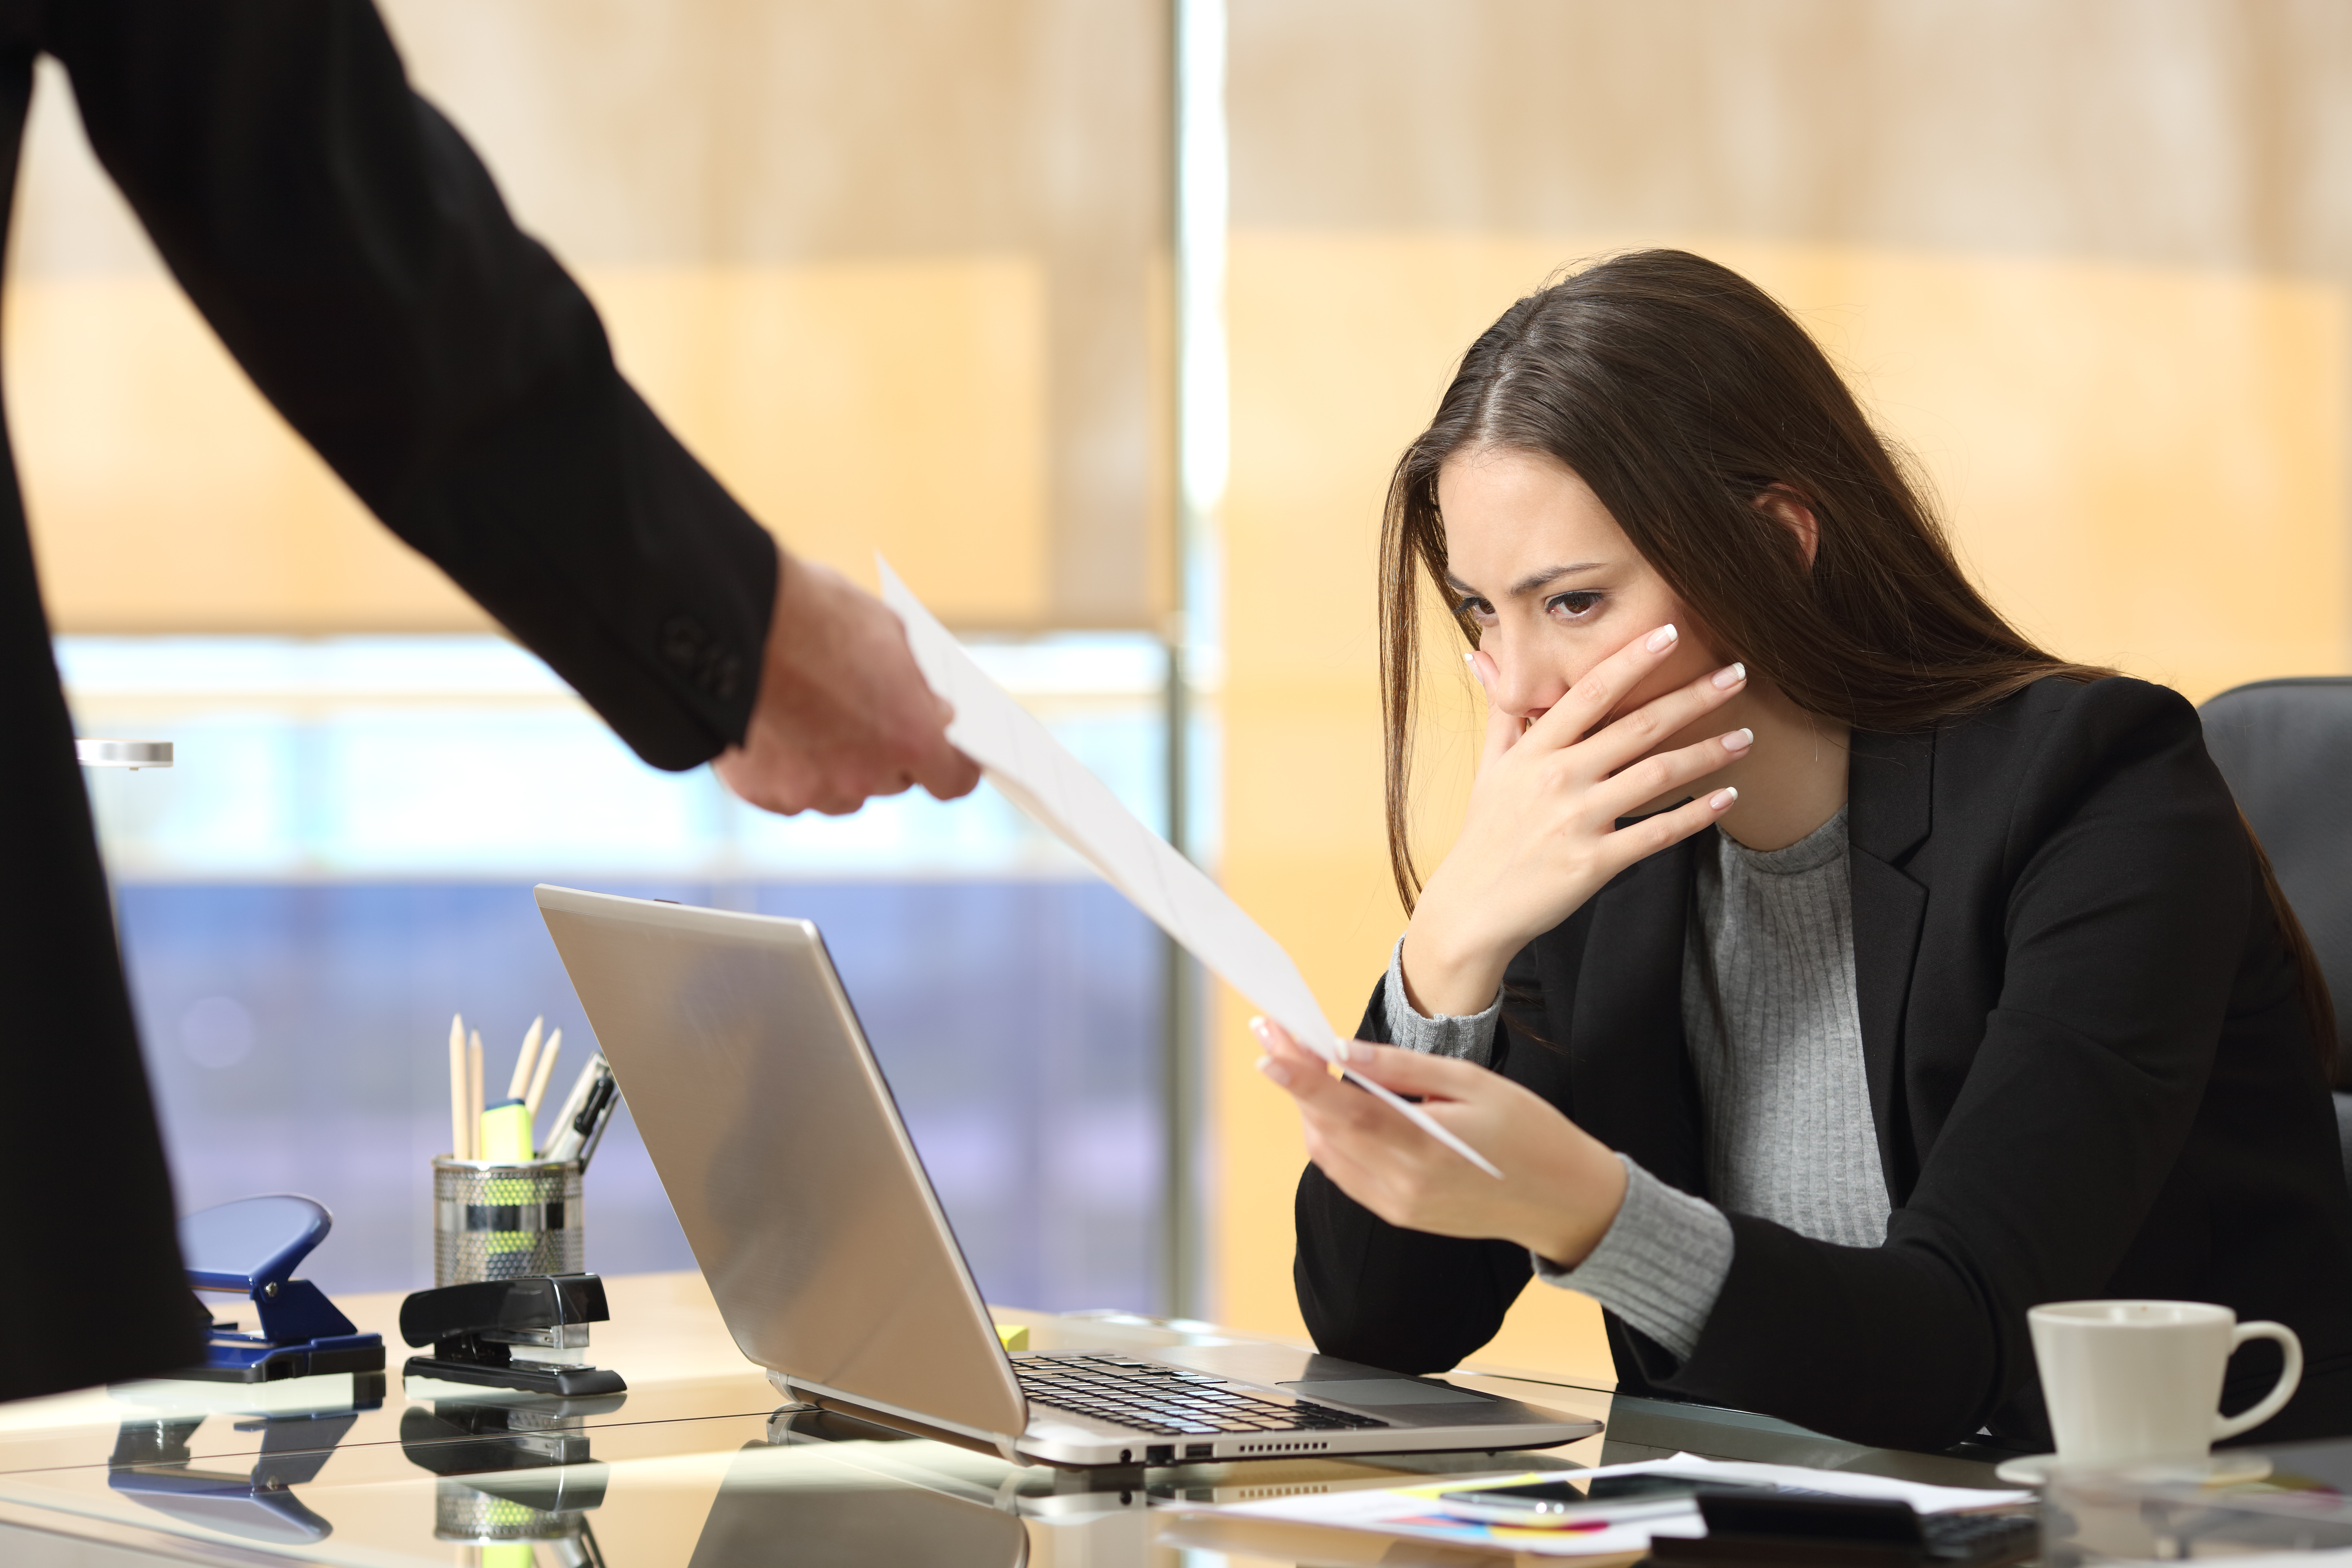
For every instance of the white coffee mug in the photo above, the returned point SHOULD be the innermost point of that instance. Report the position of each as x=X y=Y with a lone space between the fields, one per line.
x=2127 y=1382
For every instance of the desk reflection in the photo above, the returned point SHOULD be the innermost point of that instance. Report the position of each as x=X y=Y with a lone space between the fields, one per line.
x=515 y=1474
x=824 y=1510
x=153 y=1467
x=528 y=1481
x=696 y=1467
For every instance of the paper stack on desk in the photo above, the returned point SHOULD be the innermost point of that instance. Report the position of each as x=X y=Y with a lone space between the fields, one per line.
x=1413 y=1512
x=1037 y=774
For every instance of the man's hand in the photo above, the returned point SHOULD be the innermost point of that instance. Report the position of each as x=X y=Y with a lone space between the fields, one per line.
x=843 y=712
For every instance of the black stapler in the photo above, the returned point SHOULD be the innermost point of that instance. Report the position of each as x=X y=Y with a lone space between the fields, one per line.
x=471 y=1329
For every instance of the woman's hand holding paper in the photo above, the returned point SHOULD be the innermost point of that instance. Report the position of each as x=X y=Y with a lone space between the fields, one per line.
x=1561 y=1186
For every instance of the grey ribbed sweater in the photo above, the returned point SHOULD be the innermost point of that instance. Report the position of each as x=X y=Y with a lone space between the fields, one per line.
x=1775 y=1042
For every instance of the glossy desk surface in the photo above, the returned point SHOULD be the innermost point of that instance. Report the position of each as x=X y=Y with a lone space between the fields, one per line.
x=689 y=1470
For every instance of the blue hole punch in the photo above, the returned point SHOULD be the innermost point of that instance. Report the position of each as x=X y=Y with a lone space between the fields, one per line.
x=251 y=1248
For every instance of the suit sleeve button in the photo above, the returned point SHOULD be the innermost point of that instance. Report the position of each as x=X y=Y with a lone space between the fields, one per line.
x=684 y=643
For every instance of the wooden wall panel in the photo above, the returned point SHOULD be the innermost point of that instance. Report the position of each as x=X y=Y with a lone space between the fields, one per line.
x=2204 y=132
x=891 y=406
x=898 y=271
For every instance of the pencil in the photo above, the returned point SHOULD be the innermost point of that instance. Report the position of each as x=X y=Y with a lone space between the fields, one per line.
x=523 y=1063
x=474 y=1091
x=538 y=1078
x=458 y=1143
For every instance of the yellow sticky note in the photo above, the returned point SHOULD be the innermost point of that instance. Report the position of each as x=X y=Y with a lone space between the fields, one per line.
x=506 y=1132
x=1012 y=1336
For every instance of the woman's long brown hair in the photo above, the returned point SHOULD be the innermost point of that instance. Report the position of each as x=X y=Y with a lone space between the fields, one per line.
x=1680 y=391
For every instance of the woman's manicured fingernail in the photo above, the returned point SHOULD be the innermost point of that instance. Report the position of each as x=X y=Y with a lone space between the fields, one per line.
x=1339 y=1046
x=1729 y=676
x=1664 y=637
x=1721 y=799
x=1257 y=1027
x=1739 y=740
x=1274 y=1070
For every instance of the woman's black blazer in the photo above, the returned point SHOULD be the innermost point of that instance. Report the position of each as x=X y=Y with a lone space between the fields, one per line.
x=2090 y=1072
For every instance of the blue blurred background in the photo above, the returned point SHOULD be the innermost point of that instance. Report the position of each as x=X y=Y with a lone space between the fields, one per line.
x=342 y=857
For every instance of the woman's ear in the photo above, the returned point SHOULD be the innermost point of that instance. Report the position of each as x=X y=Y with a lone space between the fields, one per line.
x=1789 y=510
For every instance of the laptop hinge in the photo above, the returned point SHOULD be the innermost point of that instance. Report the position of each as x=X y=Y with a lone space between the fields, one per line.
x=882 y=1415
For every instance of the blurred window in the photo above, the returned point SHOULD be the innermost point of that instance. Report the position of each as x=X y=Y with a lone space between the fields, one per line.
x=343 y=854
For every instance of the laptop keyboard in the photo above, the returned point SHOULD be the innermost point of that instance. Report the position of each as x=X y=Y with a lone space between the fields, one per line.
x=1167 y=1400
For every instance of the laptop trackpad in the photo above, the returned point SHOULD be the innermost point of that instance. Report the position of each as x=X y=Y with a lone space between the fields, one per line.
x=1384 y=1391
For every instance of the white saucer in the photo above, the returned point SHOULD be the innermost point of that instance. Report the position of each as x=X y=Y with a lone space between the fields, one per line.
x=2229 y=1467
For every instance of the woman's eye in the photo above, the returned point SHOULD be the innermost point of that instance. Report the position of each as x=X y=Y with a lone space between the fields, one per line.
x=1574 y=605
x=1475 y=610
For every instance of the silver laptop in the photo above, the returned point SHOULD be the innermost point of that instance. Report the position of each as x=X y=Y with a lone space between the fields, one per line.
x=780 y=1148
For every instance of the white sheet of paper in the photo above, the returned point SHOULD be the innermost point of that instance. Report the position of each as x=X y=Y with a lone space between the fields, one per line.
x=1038 y=774
x=1412 y=1511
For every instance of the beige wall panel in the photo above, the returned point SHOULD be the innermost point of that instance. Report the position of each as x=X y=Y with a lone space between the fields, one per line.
x=165 y=495
x=651 y=143
x=898 y=406
x=668 y=133
x=891 y=406
x=2145 y=464
x=2209 y=132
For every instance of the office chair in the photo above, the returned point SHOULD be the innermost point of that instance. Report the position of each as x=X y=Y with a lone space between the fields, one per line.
x=2285 y=748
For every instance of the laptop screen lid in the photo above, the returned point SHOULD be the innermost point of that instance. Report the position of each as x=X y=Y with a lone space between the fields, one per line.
x=778 y=1143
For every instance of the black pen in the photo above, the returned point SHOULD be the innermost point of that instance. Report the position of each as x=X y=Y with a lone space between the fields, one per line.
x=569 y=1131
x=595 y=1116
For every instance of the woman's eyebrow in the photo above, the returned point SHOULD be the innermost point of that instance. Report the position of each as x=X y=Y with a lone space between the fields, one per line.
x=1531 y=582
x=1551 y=574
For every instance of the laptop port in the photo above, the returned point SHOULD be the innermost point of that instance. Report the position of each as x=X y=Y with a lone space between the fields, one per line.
x=1159 y=1454
x=1196 y=1450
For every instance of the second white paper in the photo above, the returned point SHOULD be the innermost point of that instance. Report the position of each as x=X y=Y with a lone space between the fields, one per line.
x=1037 y=774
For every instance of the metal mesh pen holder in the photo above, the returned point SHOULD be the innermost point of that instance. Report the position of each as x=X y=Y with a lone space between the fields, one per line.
x=462 y=1513
x=499 y=1221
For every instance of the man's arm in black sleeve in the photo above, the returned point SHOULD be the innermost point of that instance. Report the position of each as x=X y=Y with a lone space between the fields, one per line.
x=356 y=257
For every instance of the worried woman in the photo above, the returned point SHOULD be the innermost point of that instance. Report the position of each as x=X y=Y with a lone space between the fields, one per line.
x=1833 y=973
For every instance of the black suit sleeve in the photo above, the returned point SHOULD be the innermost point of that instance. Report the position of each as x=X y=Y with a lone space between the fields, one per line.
x=1403 y=1299
x=356 y=257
